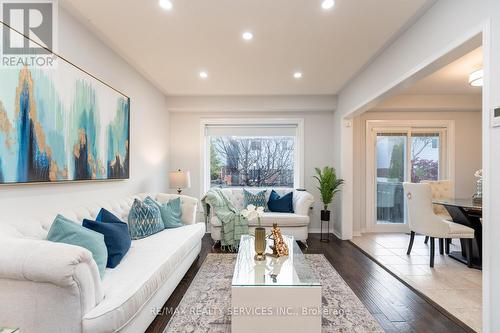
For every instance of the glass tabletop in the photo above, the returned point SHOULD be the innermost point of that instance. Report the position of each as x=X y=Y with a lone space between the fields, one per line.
x=465 y=203
x=292 y=270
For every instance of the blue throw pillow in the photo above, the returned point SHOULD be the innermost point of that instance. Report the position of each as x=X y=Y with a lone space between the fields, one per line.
x=106 y=216
x=116 y=236
x=279 y=204
x=257 y=199
x=69 y=232
x=170 y=211
x=144 y=220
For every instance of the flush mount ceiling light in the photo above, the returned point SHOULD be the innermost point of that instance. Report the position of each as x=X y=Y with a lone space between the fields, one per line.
x=165 y=4
x=247 y=35
x=297 y=75
x=327 y=4
x=476 y=78
x=203 y=75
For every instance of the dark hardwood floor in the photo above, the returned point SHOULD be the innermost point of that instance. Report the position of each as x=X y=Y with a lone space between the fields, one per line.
x=397 y=307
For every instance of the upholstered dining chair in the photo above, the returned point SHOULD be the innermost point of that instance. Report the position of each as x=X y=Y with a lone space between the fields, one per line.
x=423 y=220
x=441 y=189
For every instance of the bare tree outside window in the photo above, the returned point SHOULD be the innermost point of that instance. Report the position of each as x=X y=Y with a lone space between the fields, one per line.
x=252 y=161
x=425 y=158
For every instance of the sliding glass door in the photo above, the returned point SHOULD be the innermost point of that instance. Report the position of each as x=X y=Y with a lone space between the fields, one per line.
x=400 y=155
x=391 y=170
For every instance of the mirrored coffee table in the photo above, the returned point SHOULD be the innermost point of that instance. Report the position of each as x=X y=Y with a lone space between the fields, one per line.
x=275 y=295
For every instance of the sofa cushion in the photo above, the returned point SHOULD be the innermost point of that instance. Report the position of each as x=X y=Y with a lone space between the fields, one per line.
x=108 y=217
x=144 y=220
x=147 y=266
x=171 y=213
x=116 y=237
x=268 y=218
x=280 y=204
x=66 y=231
x=258 y=199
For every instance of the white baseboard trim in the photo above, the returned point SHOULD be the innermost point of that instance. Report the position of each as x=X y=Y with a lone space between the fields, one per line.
x=318 y=231
x=336 y=233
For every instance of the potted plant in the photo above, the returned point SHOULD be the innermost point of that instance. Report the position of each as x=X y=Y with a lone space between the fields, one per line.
x=329 y=185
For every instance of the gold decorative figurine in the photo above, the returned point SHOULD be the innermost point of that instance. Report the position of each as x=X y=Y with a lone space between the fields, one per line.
x=280 y=249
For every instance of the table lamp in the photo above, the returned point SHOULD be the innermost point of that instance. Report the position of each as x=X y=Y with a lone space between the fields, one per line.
x=179 y=179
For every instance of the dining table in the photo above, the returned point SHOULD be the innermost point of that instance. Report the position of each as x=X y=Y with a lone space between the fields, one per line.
x=467 y=212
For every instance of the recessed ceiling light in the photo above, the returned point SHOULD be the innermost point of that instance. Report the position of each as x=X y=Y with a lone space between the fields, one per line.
x=247 y=35
x=297 y=75
x=203 y=75
x=165 y=4
x=476 y=78
x=327 y=4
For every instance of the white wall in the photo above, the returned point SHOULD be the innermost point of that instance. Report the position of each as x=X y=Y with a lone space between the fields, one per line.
x=445 y=26
x=185 y=145
x=468 y=157
x=149 y=131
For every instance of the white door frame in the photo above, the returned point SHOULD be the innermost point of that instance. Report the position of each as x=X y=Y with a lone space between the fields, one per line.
x=447 y=169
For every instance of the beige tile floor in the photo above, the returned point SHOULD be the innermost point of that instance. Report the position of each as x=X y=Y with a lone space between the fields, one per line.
x=451 y=284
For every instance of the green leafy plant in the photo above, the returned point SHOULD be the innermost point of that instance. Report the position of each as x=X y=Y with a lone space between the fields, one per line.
x=329 y=184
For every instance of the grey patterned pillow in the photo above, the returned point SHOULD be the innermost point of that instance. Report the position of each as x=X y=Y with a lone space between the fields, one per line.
x=144 y=220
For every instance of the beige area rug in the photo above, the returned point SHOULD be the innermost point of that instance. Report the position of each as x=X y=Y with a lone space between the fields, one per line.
x=206 y=304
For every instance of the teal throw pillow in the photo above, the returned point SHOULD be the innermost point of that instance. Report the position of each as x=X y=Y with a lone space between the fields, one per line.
x=144 y=220
x=171 y=212
x=257 y=199
x=66 y=231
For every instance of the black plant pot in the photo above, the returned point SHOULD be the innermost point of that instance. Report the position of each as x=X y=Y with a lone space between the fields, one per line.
x=325 y=215
x=325 y=218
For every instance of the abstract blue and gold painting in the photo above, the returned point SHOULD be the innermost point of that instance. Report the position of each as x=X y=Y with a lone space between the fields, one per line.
x=61 y=124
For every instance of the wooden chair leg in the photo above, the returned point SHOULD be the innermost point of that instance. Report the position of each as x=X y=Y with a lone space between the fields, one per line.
x=412 y=238
x=426 y=240
x=433 y=248
x=447 y=245
x=441 y=246
x=468 y=251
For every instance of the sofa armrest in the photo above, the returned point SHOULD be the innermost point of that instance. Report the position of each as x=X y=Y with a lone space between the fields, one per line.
x=189 y=206
x=66 y=266
x=302 y=202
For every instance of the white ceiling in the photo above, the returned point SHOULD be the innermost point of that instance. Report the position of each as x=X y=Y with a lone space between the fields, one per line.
x=453 y=79
x=170 y=48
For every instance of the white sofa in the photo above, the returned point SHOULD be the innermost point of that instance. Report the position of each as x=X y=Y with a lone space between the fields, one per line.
x=295 y=224
x=54 y=287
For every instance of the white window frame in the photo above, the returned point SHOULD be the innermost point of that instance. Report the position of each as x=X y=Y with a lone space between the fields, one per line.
x=446 y=168
x=298 y=178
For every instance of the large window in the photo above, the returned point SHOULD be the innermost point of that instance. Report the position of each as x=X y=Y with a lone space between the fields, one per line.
x=251 y=153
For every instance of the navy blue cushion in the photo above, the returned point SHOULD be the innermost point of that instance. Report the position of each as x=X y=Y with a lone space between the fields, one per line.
x=116 y=235
x=106 y=216
x=279 y=204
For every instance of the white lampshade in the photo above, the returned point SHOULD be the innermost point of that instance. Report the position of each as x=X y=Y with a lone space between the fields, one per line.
x=180 y=179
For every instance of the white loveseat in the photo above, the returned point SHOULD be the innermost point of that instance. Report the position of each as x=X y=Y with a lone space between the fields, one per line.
x=295 y=224
x=54 y=287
